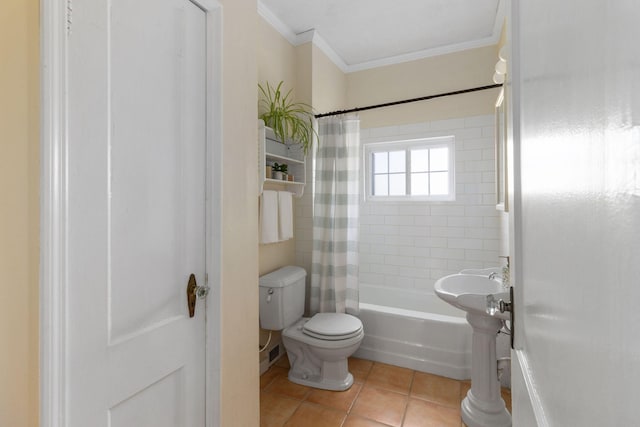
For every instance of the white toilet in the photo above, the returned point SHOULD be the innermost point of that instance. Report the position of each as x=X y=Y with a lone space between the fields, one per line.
x=317 y=347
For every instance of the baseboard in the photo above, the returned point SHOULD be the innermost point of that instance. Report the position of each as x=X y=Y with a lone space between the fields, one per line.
x=534 y=397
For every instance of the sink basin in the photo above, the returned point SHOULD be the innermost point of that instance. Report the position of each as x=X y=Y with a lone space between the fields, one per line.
x=469 y=292
x=483 y=271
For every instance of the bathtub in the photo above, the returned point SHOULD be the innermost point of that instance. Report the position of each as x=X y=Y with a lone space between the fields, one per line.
x=426 y=334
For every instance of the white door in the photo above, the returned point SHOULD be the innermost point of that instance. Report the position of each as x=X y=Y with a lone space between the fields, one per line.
x=576 y=219
x=136 y=213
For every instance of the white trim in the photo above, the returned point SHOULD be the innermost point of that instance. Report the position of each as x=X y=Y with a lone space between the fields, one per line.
x=214 y=212
x=305 y=37
x=313 y=36
x=499 y=22
x=423 y=54
x=53 y=203
x=277 y=24
x=532 y=390
x=514 y=196
x=309 y=36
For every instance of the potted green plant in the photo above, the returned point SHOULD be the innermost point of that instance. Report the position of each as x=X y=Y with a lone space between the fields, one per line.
x=279 y=170
x=289 y=120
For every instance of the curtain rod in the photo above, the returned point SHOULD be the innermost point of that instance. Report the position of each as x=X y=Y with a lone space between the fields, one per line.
x=406 y=101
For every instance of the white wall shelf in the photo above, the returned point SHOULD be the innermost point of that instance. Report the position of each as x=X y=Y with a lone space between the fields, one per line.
x=271 y=151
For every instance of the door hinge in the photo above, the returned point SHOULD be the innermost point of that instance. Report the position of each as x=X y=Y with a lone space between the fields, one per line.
x=512 y=311
x=69 y=15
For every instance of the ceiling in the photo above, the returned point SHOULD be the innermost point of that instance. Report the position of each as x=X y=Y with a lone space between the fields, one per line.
x=362 y=34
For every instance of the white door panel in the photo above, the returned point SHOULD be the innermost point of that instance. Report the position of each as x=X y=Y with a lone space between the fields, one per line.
x=133 y=410
x=577 y=215
x=152 y=212
x=136 y=213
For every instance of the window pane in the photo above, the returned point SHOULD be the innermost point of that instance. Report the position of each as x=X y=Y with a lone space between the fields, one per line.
x=439 y=160
x=380 y=162
x=419 y=169
x=439 y=183
x=419 y=161
x=380 y=185
x=419 y=184
x=397 y=161
x=397 y=184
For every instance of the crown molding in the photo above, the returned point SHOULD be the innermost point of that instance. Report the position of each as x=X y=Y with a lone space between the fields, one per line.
x=301 y=38
x=306 y=36
x=314 y=37
x=423 y=54
x=277 y=24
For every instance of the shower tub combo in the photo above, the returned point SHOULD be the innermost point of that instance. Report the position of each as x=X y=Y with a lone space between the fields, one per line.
x=414 y=330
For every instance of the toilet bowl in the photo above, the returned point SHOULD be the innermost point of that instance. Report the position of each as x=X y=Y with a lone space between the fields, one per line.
x=318 y=348
x=321 y=360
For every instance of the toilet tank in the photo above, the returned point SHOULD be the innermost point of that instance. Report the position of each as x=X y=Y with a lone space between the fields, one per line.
x=282 y=297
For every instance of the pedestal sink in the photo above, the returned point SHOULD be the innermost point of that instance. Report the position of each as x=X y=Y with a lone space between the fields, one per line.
x=483 y=406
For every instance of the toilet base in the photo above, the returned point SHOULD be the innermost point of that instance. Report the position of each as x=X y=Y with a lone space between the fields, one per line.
x=316 y=381
x=317 y=363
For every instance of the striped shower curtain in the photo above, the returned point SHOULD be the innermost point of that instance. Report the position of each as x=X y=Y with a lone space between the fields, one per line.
x=336 y=197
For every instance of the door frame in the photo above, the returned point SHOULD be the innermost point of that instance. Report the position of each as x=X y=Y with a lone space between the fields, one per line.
x=519 y=357
x=56 y=20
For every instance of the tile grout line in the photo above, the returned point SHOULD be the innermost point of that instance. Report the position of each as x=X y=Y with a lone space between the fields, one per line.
x=406 y=408
x=356 y=397
x=346 y=413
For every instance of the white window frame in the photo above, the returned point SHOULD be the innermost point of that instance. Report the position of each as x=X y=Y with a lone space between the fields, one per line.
x=408 y=144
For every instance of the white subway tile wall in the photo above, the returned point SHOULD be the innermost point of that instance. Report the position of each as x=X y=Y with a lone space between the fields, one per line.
x=412 y=244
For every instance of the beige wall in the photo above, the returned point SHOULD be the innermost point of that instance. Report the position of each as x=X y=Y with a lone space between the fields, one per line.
x=276 y=57
x=19 y=177
x=304 y=73
x=276 y=255
x=329 y=83
x=276 y=62
x=445 y=73
x=240 y=403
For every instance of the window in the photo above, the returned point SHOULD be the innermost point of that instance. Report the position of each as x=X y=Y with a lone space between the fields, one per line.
x=420 y=169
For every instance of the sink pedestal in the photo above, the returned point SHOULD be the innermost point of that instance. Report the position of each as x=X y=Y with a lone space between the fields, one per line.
x=483 y=406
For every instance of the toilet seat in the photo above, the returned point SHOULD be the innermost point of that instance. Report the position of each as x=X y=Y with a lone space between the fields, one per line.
x=296 y=332
x=333 y=326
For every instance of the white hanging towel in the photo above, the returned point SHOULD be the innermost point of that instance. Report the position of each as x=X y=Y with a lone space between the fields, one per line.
x=269 y=217
x=285 y=214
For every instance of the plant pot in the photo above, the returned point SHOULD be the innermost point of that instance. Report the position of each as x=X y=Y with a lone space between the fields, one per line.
x=268 y=172
x=277 y=175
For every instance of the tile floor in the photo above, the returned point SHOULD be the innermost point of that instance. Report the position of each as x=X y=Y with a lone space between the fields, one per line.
x=382 y=395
